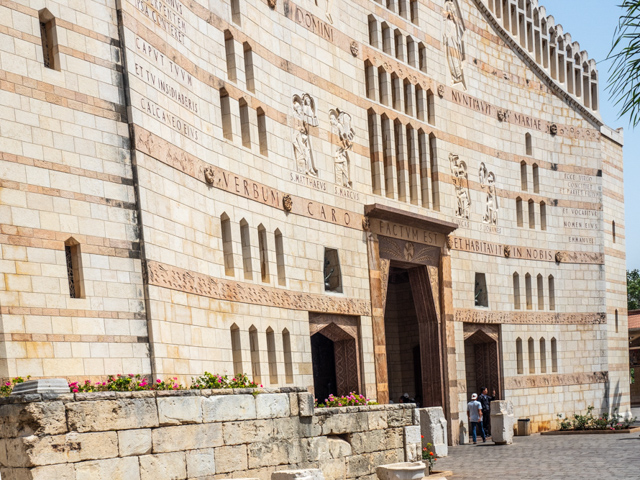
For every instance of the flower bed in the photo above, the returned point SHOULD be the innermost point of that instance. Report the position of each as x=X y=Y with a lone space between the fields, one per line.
x=136 y=382
x=589 y=423
x=351 y=400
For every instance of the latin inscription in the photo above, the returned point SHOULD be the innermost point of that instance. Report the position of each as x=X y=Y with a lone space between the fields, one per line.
x=245 y=187
x=309 y=21
x=346 y=193
x=404 y=232
x=477 y=246
x=165 y=14
x=582 y=240
x=471 y=102
x=171 y=91
x=311 y=182
x=156 y=56
x=581 y=186
x=170 y=119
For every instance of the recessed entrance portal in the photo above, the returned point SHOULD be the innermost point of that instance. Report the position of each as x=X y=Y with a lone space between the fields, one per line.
x=335 y=355
x=482 y=358
x=412 y=336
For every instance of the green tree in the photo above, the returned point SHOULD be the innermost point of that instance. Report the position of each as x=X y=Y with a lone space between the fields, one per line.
x=633 y=289
x=624 y=82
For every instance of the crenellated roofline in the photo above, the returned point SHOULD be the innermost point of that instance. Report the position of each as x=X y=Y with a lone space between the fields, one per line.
x=550 y=52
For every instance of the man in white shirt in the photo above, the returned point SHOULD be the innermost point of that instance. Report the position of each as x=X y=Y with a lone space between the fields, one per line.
x=474 y=413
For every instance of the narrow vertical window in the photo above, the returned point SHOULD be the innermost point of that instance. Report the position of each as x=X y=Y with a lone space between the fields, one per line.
x=554 y=355
x=516 y=291
x=532 y=214
x=431 y=108
x=527 y=144
x=272 y=357
x=282 y=277
x=617 y=327
x=230 y=53
x=613 y=231
x=536 y=178
x=264 y=253
x=288 y=361
x=422 y=57
x=552 y=293
x=387 y=39
x=225 y=108
x=73 y=256
x=254 y=346
x=519 y=212
x=543 y=216
x=540 y=292
x=543 y=355
x=236 y=350
x=414 y=5
x=421 y=104
x=262 y=132
x=248 y=67
x=370 y=80
x=245 y=124
x=433 y=159
x=532 y=356
x=423 y=165
x=519 y=357
x=524 y=184
x=332 y=274
x=528 y=291
x=235 y=12
x=227 y=246
x=374 y=35
x=49 y=38
x=481 y=293
x=245 y=240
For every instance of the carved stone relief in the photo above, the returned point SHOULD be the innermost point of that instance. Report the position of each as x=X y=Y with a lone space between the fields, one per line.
x=272 y=3
x=538 y=381
x=304 y=110
x=488 y=183
x=341 y=125
x=328 y=10
x=287 y=203
x=453 y=40
x=529 y=318
x=403 y=251
x=461 y=182
x=355 y=49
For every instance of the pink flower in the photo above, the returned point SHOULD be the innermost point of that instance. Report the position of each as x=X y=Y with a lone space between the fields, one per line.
x=260 y=386
x=75 y=390
x=159 y=381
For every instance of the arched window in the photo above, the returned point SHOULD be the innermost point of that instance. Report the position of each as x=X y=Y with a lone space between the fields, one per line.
x=225 y=108
x=227 y=245
x=433 y=158
x=282 y=276
x=422 y=57
x=49 y=39
x=245 y=126
x=248 y=67
x=374 y=35
x=543 y=215
x=528 y=145
x=540 y=292
x=236 y=349
x=262 y=132
x=412 y=52
x=554 y=356
x=384 y=85
x=230 y=52
x=414 y=5
x=528 y=291
x=516 y=291
x=519 y=212
x=431 y=108
x=519 y=356
x=532 y=214
x=235 y=12
x=423 y=159
x=543 y=355
x=399 y=44
x=288 y=362
x=524 y=183
x=245 y=240
x=617 y=327
x=264 y=253
x=552 y=293
x=421 y=103
x=532 y=356
x=254 y=346
x=414 y=165
x=272 y=356
x=396 y=92
x=536 y=178
x=75 y=274
x=387 y=39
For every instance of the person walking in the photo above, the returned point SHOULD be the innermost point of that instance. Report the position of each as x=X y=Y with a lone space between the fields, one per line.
x=474 y=414
x=485 y=400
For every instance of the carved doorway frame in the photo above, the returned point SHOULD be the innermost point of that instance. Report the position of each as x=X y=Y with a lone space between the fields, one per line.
x=488 y=359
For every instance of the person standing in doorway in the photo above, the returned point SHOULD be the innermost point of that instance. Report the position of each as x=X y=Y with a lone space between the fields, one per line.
x=474 y=414
x=485 y=400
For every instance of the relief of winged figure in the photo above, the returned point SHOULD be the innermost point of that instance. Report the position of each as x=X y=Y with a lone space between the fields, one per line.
x=341 y=125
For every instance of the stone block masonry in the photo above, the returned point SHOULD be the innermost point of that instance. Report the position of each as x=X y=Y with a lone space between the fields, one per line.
x=193 y=434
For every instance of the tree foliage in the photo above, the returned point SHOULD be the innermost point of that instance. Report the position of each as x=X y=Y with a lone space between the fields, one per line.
x=633 y=289
x=624 y=82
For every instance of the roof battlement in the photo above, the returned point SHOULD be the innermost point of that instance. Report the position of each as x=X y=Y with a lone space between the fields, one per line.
x=558 y=57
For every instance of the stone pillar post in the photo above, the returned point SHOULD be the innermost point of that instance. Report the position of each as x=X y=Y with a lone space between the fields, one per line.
x=433 y=427
x=502 y=421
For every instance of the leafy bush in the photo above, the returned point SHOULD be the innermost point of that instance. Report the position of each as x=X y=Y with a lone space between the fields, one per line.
x=428 y=456
x=125 y=383
x=7 y=387
x=351 y=400
x=589 y=422
x=210 y=380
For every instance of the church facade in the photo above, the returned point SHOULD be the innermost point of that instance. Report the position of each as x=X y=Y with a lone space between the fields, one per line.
x=383 y=197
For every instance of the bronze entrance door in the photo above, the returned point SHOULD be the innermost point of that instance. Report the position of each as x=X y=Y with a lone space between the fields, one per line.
x=482 y=359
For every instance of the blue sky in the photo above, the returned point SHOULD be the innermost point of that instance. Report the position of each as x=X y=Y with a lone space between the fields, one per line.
x=592 y=24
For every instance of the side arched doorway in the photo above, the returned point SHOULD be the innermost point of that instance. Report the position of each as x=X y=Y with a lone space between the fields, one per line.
x=482 y=358
x=335 y=355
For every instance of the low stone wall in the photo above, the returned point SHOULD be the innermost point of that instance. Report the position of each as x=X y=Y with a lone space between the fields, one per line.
x=208 y=434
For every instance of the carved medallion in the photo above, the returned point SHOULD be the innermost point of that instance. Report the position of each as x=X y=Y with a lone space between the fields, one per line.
x=354 y=49
x=560 y=257
x=449 y=242
x=441 y=90
x=366 y=224
x=209 y=176
x=287 y=203
x=507 y=251
x=553 y=129
x=272 y=3
x=502 y=115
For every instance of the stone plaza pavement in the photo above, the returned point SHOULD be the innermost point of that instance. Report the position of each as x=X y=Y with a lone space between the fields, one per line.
x=605 y=457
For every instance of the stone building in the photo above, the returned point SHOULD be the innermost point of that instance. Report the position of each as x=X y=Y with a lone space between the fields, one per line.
x=389 y=197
